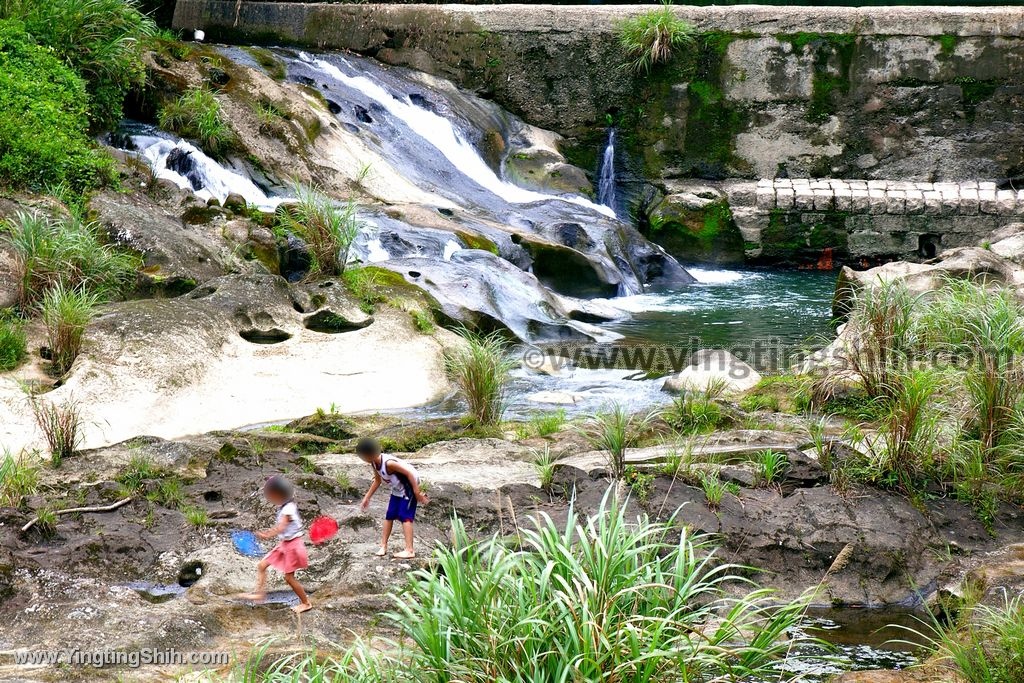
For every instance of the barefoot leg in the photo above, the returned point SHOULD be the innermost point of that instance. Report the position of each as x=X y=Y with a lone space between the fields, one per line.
x=299 y=591
x=410 y=551
x=388 y=526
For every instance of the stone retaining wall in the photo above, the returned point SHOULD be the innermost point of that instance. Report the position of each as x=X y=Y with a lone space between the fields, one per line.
x=831 y=221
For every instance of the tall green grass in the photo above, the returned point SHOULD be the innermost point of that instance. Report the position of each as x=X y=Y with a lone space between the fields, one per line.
x=481 y=371
x=653 y=37
x=13 y=343
x=99 y=39
x=987 y=646
x=327 y=228
x=66 y=314
x=614 y=430
x=19 y=478
x=598 y=599
x=883 y=318
x=65 y=252
x=197 y=115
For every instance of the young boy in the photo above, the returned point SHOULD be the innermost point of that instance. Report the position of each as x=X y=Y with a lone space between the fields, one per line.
x=405 y=493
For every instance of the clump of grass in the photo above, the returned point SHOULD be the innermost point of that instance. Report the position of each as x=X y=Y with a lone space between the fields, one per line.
x=481 y=371
x=196 y=516
x=46 y=521
x=574 y=602
x=423 y=320
x=696 y=412
x=545 y=462
x=19 y=479
x=169 y=492
x=61 y=425
x=548 y=423
x=139 y=471
x=771 y=467
x=197 y=115
x=66 y=314
x=614 y=430
x=653 y=37
x=365 y=285
x=908 y=430
x=64 y=252
x=883 y=317
x=755 y=402
x=13 y=343
x=714 y=490
x=327 y=228
x=988 y=646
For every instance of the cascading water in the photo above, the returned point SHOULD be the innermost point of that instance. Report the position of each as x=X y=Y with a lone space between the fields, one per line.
x=606 y=178
x=189 y=168
x=439 y=132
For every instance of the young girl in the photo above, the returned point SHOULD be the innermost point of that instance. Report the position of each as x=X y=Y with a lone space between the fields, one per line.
x=290 y=553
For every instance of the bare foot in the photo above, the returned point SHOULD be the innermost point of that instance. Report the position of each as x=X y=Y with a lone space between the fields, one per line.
x=404 y=555
x=258 y=598
x=381 y=552
x=302 y=607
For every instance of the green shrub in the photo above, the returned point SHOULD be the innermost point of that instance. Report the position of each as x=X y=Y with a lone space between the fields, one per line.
x=481 y=370
x=575 y=602
x=66 y=314
x=13 y=343
x=66 y=253
x=98 y=38
x=44 y=120
x=197 y=115
x=19 y=479
x=327 y=229
x=652 y=37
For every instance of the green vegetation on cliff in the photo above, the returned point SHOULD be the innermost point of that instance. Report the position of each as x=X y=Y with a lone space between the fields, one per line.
x=44 y=119
x=99 y=39
x=653 y=37
x=197 y=115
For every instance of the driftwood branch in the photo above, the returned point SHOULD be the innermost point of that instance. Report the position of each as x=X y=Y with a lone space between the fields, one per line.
x=71 y=511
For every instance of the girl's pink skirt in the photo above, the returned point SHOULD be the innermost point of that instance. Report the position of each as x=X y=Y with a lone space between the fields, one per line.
x=289 y=556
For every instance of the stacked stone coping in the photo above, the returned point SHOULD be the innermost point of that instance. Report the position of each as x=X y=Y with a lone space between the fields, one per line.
x=877 y=197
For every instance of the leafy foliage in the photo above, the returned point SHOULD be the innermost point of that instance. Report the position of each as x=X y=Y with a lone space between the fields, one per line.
x=44 y=119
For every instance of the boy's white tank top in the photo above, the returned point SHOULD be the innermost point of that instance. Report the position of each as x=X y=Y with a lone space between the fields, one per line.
x=400 y=485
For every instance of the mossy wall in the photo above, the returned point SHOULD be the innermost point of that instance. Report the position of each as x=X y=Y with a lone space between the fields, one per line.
x=914 y=93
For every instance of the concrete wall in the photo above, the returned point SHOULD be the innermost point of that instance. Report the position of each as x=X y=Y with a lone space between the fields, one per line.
x=918 y=93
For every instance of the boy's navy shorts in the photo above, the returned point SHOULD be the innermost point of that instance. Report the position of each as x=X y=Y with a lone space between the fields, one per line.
x=401 y=509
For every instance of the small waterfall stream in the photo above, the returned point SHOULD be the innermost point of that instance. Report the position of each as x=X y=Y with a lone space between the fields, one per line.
x=606 y=178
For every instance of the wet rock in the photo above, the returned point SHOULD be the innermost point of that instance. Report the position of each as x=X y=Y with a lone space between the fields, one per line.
x=534 y=162
x=710 y=367
x=10 y=292
x=176 y=256
x=235 y=202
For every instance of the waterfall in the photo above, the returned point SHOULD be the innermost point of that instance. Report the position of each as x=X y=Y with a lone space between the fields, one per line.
x=606 y=180
x=189 y=168
x=438 y=132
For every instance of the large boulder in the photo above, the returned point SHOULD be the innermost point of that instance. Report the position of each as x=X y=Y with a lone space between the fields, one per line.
x=712 y=367
x=177 y=256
